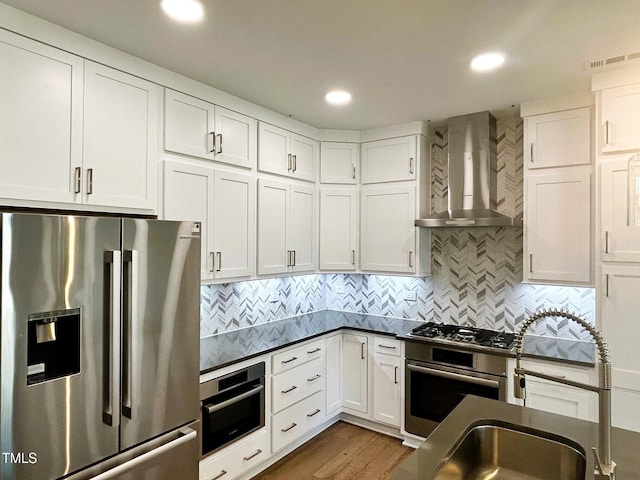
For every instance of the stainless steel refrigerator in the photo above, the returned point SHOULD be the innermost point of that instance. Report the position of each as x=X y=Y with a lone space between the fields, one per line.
x=99 y=347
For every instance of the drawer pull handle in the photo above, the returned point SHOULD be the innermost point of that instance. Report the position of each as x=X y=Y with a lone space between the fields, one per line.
x=314 y=351
x=315 y=377
x=258 y=452
x=289 y=389
x=387 y=346
x=293 y=425
x=292 y=359
x=314 y=413
x=220 y=475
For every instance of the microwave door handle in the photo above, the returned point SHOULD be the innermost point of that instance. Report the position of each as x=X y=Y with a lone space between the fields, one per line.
x=212 y=408
x=111 y=396
x=130 y=301
x=454 y=376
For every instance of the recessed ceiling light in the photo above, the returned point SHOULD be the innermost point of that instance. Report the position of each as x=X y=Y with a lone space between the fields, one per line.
x=487 y=61
x=188 y=11
x=338 y=97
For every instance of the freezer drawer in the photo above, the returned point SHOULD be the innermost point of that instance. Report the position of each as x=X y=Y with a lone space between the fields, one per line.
x=168 y=457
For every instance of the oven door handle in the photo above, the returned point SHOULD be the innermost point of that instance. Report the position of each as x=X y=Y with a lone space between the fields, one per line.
x=454 y=376
x=212 y=408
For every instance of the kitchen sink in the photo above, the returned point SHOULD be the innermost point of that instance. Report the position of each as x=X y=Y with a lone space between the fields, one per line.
x=495 y=451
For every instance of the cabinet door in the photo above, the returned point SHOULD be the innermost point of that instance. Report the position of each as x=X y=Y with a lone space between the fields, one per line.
x=558 y=139
x=338 y=229
x=41 y=120
x=386 y=389
x=188 y=195
x=620 y=129
x=354 y=372
x=620 y=242
x=620 y=327
x=304 y=152
x=233 y=224
x=120 y=138
x=387 y=233
x=334 y=375
x=558 y=399
x=273 y=207
x=235 y=141
x=339 y=162
x=273 y=149
x=558 y=227
x=301 y=228
x=188 y=125
x=389 y=160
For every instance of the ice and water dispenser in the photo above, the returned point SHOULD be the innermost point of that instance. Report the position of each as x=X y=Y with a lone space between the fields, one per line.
x=53 y=345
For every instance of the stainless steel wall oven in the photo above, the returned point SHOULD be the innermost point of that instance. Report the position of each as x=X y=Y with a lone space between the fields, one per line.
x=438 y=378
x=232 y=407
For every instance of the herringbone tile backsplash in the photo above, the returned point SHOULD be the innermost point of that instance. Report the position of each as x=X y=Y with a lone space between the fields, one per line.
x=476 y=273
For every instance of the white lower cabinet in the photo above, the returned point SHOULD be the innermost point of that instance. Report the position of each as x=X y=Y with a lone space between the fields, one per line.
x=293 y=422
x=334 y=373
x=561 y=399
x=387 y=381
x=355 y=375
x=298 y=392
x=237 y=459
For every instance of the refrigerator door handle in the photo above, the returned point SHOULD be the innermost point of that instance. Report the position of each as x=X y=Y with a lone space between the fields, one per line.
x=186 y=435
x=111 y=396
x=130 y=302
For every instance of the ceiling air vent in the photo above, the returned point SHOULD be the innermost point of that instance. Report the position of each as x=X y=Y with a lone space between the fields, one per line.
x=610 y=62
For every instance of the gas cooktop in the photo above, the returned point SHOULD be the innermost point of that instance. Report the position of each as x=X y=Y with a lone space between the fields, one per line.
x=467 y=335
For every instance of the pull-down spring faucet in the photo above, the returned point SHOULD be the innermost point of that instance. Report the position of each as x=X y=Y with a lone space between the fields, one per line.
x=605 y=467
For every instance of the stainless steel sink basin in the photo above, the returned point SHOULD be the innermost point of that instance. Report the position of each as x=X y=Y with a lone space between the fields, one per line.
x=505 y=451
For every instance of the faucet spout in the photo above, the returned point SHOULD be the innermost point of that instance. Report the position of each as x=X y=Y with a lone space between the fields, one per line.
x=605 y=466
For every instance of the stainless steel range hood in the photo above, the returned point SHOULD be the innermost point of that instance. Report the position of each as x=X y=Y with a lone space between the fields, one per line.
x=472 y=176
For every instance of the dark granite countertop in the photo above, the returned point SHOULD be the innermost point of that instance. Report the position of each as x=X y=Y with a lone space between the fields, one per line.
x=560 y=349
x=426 y=460
x=224 y=349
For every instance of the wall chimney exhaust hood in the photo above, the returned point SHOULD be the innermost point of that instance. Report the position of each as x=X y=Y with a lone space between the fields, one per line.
x=472 y=176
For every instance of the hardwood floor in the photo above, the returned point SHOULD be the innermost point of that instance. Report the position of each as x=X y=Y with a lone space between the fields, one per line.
x=342 y=452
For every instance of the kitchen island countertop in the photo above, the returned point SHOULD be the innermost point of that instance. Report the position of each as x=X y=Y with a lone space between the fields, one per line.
x=425 y=461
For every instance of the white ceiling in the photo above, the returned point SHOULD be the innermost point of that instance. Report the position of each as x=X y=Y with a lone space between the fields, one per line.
x=403 y=60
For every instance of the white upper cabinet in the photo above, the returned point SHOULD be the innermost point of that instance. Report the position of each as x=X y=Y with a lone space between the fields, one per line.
x=200 y=129
x=339 y=163
x=558 y=139
x=389 y=160
x=286 y=227
x=120 y=150
x=286 y=153
x=388 y=234
x=620 y=119
x=41 y=120
x=558 y=227
x=338 y=229
x=619 y=241
x=224 y=202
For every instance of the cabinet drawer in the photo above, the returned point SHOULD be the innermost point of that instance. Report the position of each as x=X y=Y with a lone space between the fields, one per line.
x=577 y=374
x=290 y=424
x=388 y=346
x=223 y=466
x=297 y=356
x=237 y=458
x=293 y=385
x=253 y=452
